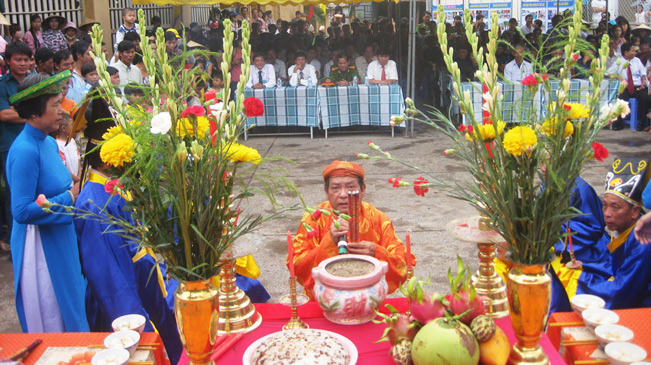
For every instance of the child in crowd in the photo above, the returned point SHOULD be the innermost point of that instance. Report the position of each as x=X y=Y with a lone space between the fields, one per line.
x=68 y=105
x=129 y=25
x=115 y=78
x=69 y=152
x=217 y=84
x=90 y=75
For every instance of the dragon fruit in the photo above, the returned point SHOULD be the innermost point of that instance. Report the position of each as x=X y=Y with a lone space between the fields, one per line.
x=424 y=307
x=399 y=326
x=463 y=296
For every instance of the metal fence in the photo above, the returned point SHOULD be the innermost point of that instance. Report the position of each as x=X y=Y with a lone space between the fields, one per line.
x=19 y=11
x=201 y=14
x=166 y=13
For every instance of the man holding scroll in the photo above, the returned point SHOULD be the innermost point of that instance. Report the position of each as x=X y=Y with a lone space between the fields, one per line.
x=376 y=235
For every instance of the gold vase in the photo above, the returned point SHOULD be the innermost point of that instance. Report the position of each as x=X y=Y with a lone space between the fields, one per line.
x=529 y=292
x=196 y=305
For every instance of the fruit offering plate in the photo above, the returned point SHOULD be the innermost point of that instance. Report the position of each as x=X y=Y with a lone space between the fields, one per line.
x=305 y=346
x=56 y=355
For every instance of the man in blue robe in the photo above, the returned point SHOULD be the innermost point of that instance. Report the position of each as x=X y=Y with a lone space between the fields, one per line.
x=622 y=275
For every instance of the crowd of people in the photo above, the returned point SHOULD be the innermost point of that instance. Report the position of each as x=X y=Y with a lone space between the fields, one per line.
x=50 y=71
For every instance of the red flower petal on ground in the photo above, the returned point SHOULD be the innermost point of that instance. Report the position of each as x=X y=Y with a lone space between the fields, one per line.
x=462 y=128
x=600 y=152
x=418 y=189
x=395 y=181
x=113 y=186
x=253 y=107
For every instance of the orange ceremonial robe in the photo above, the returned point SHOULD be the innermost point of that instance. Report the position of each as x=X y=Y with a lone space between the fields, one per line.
x=374 y=226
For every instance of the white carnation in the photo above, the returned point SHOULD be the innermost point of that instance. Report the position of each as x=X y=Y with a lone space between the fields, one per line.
x=161 y=123
x=622 y=108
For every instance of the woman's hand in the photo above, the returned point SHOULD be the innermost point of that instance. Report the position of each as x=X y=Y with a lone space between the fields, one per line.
x=75 y=189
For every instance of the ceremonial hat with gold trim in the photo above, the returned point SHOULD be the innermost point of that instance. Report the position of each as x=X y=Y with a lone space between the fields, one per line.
x=51 y=85
x=627 y=178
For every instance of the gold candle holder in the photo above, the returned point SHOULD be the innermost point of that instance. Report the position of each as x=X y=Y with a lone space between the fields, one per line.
x=410 y=273
x=293 y=299
x=236 y=312
x=485 y=281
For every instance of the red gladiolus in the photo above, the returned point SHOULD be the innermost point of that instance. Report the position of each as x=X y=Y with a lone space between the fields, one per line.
x=253 y=107
x=600 y=152
x=489 y=148
x=418 y=189
x=197 y=111
x=462 y=128
x=112 y=187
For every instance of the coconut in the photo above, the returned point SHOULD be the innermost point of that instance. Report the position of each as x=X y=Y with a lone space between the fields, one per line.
x=445 y=341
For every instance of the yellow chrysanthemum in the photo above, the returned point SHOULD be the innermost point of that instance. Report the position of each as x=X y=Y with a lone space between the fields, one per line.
x=111 y=132
x=184 y=127
x=118 y=150
x=241 y=153
x=577 y=111
x=486 y=132
x=519 y=139
x=549 y=128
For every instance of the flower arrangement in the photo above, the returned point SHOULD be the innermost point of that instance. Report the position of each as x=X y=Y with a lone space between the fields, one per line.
x=522 y=175
x=182 y=167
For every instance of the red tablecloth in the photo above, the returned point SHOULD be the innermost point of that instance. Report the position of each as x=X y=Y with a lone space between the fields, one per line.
x=274 y=316
x=637 y=320
x=13 y=342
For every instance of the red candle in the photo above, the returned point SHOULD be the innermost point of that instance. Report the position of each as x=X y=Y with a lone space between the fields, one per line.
x=408 y=251
x=290 y=253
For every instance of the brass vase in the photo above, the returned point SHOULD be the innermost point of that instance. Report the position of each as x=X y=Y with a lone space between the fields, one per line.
x=529 y=291
x=196 y=305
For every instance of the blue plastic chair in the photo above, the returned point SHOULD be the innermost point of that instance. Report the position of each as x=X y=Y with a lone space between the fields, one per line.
x=631 y=119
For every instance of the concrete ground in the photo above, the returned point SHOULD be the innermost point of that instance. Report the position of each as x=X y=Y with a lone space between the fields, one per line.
x=425 y=217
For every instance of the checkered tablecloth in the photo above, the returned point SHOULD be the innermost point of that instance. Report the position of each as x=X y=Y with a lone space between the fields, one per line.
x=344 y=106
x=286 y=107
x=514 y=110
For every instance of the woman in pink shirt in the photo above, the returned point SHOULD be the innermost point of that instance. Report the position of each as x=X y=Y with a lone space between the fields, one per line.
x=236 y=67
x=34 y=37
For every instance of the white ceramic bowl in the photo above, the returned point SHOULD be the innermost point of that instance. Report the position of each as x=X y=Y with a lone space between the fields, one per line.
x=582 y=302
x=594 y=317
x=126 y=339
x=624 y=353
x=607 y=333
x=111 y=356
x=641 y=363
x=134 y=322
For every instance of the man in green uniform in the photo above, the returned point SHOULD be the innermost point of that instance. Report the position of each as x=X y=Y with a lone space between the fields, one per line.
x=345 y=73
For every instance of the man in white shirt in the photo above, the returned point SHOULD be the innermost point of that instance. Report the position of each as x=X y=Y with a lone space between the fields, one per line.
x=517 y=69
x=262 y=74
x=128 y=72
x=311 y=59
x=634 y=76
x=528 y=25
x=383 y=71
x=327 y=68
x=301 y=73
x=279 y=65
x=364 y=60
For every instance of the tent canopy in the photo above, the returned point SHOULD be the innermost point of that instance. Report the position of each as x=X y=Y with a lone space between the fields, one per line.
x=247 y=2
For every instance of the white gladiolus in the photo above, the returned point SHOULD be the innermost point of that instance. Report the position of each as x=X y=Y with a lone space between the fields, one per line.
x=161 y=123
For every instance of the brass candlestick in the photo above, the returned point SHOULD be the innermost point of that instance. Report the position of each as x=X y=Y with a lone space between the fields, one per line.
x=486 y=282
x=410 y=273
x=236 y=312
x=293 y=299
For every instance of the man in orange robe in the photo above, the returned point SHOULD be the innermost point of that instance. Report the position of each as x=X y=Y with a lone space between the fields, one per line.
x=376 y=234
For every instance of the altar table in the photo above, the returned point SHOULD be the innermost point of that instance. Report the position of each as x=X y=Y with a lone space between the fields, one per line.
x=13 y=342
x=274 y=316
x=637 y=320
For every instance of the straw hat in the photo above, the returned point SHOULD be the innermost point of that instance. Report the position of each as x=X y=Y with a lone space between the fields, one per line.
x=3 y=20
x=193 y=44
x=62 y=21
x=641 y=27
x=87 y=24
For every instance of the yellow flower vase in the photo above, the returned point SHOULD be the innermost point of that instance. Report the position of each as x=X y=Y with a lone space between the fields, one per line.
x=196 y=305
x=529 y=289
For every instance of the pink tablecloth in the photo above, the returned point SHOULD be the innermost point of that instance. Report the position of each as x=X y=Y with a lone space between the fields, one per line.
x=274 y=316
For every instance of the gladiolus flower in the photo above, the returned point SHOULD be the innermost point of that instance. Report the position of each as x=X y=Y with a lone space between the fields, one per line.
x=42 y=201
x=449 y=152
x=113 y=187
x=421 y=186
x=600 y=152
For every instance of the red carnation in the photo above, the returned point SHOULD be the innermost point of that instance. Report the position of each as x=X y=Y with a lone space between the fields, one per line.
x=529 y=80
x=575 y=57
x=113 y=187
x=316 y=215
x=470 y=129
x=210 y=95
x=567 y=107
x=313 y=233
x=600 y=152
x=418 y=186
x=461 y=128
x=253 y=107
x=197 y=111
x=395 y=181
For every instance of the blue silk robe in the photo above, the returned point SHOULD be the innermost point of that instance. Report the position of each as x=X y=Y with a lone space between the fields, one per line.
x=116 y=284
x=34 y=167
